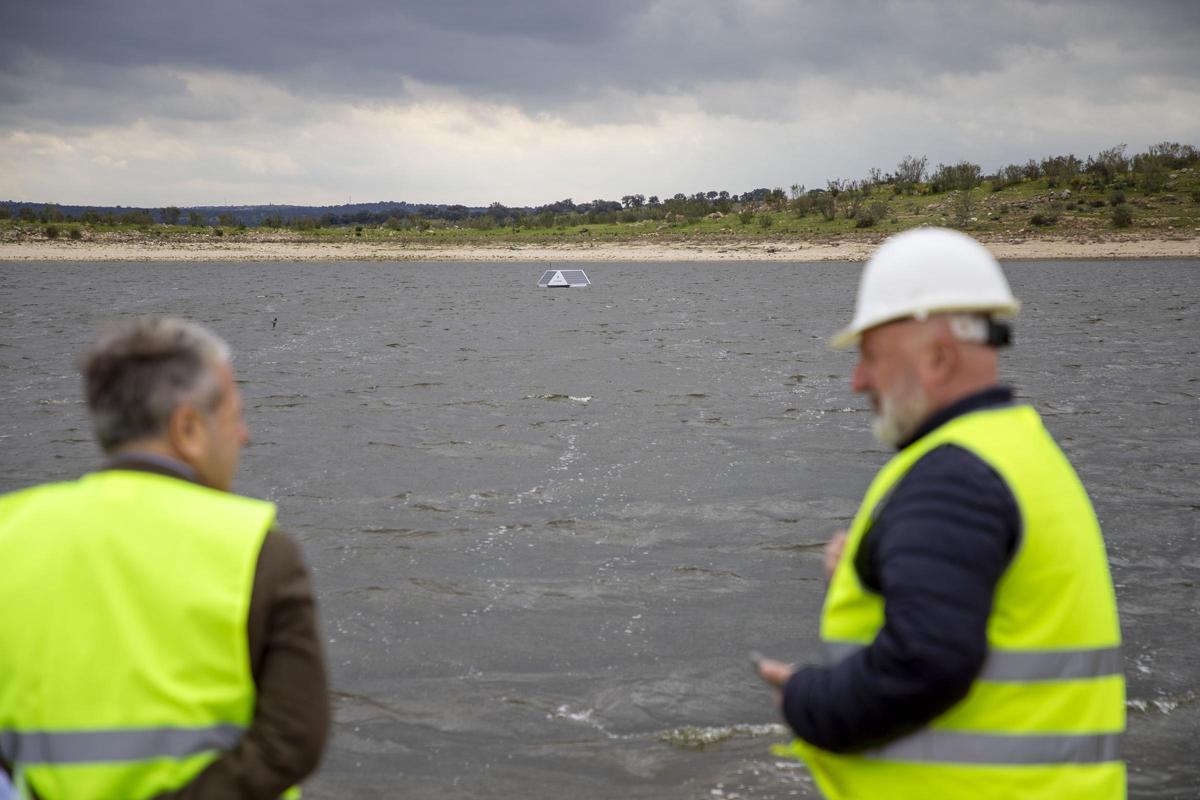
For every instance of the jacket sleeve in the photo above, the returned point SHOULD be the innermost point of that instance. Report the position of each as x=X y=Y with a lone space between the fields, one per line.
x=935 y=553
x=291 y=715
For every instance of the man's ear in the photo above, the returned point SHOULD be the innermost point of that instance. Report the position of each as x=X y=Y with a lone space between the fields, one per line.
x=187 y=432
x=942 y=359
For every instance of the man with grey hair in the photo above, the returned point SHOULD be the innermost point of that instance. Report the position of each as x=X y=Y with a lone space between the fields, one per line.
x=161 y=639
x=970 y=622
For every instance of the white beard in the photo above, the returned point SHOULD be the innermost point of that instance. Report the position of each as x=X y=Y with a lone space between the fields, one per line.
x=899 y=417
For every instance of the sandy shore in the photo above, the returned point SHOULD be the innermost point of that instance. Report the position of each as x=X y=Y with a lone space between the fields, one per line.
x=1006 y=248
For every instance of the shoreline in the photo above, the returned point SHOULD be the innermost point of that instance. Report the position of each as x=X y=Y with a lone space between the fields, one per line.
x=1003 y=247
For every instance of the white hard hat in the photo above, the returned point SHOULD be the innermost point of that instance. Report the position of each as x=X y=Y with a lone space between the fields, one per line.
x=927 y=271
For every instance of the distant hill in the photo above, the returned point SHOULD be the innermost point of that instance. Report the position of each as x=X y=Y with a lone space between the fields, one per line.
x=252 y=216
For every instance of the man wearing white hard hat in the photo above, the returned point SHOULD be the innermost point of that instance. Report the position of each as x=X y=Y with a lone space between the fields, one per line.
x=970 y=623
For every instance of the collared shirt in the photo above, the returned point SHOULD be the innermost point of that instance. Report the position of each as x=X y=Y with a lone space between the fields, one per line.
x=935 y=552
x=152 y=462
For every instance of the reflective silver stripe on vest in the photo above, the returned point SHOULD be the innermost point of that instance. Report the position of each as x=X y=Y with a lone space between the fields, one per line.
x=1027 y=665
x=956 y=747
x=123 y=744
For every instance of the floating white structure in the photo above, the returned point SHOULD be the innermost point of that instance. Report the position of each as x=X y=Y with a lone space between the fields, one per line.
x=563 y=279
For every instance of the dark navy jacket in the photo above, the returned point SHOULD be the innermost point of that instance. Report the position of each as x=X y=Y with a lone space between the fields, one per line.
x=935 y=553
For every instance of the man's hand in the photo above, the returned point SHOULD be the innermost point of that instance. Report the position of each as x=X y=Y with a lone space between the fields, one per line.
x=833 y=552
x=775 y=673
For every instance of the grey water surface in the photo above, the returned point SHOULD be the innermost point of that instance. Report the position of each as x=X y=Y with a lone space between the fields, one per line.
x=546 y=526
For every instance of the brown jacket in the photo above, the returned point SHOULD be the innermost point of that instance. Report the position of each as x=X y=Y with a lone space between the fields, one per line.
x=291 y=715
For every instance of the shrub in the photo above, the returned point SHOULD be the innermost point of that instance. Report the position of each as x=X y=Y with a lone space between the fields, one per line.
x=1057 y=170
x=51 y=231
x=1151 y=174
x=358 y=230
x=1122 y=215
x=875 y=213
x=746 y=217
x=963 y=176
x=826 y=203
x=1043 y=218
x=1116 y=197
x=853 y=195
x=964 y=208
x=136 y=217
x=1173 y=154
x=75 y=234
x=1008 y=176
x=1196 y=196
x=909 y=173
x=1108 y=166
x=218 y=232
x=765 y=221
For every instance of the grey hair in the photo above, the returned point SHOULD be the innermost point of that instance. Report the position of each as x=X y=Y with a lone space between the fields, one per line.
x=141 y=370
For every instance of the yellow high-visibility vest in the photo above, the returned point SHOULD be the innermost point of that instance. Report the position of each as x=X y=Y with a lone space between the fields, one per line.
x=124 y=662
x=1044 y=717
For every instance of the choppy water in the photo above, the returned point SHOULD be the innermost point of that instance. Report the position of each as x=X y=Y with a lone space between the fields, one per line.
x=546 y=526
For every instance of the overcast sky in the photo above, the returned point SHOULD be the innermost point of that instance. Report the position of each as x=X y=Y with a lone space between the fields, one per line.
x=152 y=102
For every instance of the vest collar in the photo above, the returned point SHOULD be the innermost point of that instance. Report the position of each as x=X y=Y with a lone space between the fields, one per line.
x=988 y=398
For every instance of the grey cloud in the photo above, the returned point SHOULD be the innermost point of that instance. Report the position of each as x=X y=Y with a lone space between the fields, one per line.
x=69 y=97
x=541 y=53
x=571 y=22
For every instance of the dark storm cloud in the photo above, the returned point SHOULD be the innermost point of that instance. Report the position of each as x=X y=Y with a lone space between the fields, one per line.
x=335 y=43
x=102 y=57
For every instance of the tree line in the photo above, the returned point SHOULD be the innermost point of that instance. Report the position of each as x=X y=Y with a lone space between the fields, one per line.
x=865 y=200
